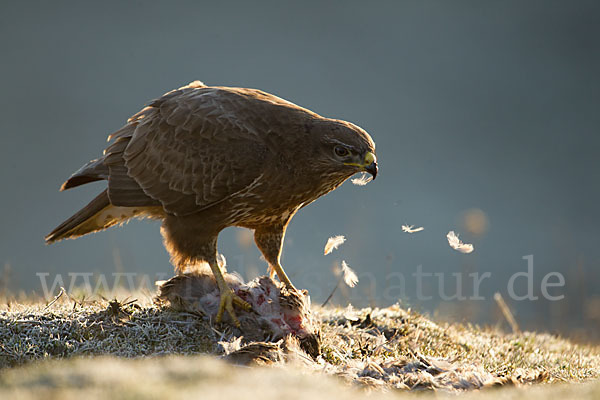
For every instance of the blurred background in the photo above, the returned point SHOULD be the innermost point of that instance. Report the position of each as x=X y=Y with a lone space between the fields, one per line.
x=486 y=117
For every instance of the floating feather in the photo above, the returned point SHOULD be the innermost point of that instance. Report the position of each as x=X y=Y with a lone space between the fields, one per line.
x=457 y=244
x=333 y=243
x=350 y=277
x=411 y=228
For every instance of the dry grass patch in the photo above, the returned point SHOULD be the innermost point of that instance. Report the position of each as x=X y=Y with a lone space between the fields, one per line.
x=390 y=348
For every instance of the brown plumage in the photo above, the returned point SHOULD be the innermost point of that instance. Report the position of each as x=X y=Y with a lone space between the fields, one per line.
x=203 y=158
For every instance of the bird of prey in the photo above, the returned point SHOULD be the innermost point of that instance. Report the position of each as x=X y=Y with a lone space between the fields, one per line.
x=203 y=158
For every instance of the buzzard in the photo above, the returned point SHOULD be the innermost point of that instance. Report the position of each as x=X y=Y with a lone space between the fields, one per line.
x=202 y=158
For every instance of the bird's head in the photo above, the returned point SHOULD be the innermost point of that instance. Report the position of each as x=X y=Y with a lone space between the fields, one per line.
x=347 y=149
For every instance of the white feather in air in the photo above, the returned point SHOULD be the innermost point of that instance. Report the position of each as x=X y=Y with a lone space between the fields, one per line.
x=222 y=261
x=350 y=277
x=411 y=228
x=333 y=243
x=362 y=180
x=457 y=244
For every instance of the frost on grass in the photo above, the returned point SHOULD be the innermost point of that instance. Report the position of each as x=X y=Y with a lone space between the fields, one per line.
x=457 y=244
x=362 y=180
x=350 y=277
x=388 y=348
x=411 y=229
x=204 y=377
x=124 y=329
x=333 y=243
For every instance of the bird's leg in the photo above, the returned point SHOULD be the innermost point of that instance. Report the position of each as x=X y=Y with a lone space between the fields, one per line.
x=190 y=244
x=282 y=276
x=270 y=271
x=270 y=241
x=228 y=297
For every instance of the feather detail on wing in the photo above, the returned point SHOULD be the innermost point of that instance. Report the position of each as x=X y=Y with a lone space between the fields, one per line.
x=192 y=148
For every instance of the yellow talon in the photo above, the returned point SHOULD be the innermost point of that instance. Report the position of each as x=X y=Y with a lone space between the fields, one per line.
x=228 y=300
x=228 y=297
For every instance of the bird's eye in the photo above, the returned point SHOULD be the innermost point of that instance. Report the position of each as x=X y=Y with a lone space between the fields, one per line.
x=340 y=151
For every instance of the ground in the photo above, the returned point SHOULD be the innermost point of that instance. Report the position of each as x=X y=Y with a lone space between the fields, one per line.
x=130 y=349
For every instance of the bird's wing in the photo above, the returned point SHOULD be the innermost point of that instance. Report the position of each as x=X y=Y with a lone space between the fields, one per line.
x=189 y=149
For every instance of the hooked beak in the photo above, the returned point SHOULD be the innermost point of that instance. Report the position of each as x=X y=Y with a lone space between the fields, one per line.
x=370 y=165
x=372 y=169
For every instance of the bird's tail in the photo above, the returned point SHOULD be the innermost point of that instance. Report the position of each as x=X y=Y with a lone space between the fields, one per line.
x=84 y=221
